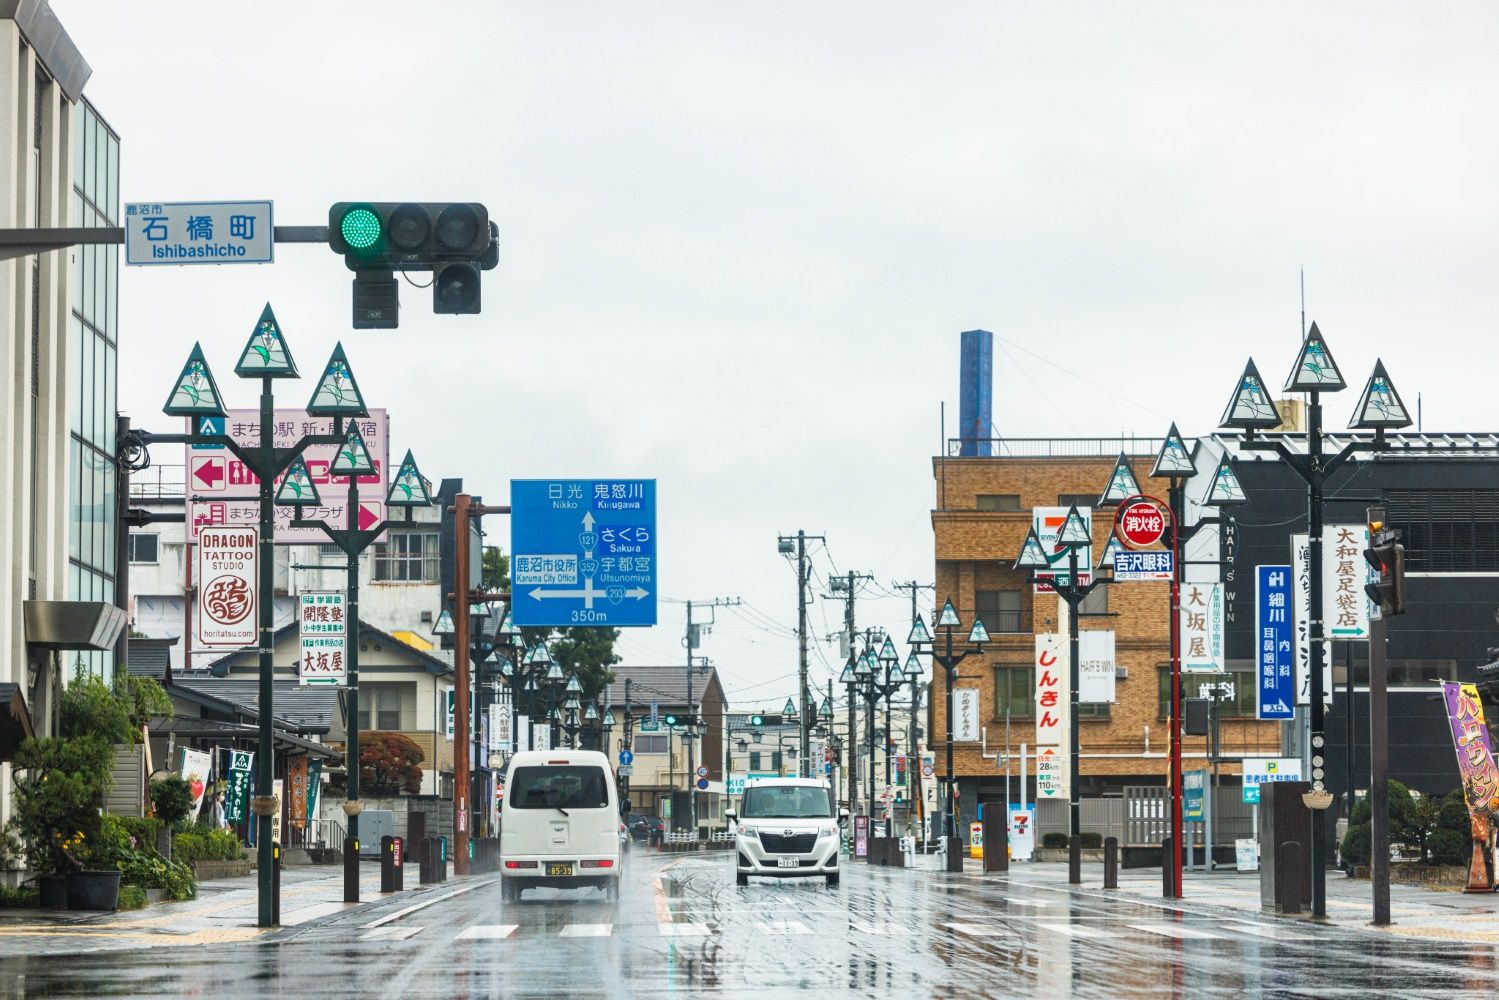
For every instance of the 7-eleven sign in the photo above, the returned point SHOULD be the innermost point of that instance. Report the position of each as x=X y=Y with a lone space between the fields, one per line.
x=1048 y=523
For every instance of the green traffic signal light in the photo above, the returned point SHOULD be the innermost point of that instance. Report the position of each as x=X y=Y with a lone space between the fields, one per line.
x=360 y=228
x=671 y=720
x=757 y=720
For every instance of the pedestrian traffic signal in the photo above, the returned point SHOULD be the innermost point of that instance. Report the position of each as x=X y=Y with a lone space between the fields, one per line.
x=1387 y=556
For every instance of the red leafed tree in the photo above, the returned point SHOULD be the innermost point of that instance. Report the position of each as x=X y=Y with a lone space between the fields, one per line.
x=388 y=764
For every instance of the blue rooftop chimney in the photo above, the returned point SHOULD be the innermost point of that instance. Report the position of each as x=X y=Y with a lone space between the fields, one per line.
x=976 y=394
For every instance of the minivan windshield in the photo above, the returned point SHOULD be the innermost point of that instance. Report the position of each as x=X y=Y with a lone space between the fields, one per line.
x=786 y=802
x=558 y=787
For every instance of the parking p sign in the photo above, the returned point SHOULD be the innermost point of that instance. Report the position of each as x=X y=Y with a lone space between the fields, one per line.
x=1259 y=770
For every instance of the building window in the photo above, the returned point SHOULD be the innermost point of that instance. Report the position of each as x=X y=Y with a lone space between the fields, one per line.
x=998 y=501
x=1096 y=603
x=754 y=764
x=999 y=610
x=1078 y=499
x=1401 y=673
x=1014 y=691
x=407 y=557
x=651 y=743
x=1240 y=674
x=145 y=548
x=1447 y=531
x=382 y=704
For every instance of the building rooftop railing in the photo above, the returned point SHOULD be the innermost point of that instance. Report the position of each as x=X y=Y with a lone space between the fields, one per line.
x=157 y=482
x=1076 y=447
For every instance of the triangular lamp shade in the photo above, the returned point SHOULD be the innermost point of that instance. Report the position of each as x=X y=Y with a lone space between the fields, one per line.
x=1380 y=408
x=443 y=625
x=297 y=487
x=790 y=709
x=195 y=394
x=887 y=651
x=266 y=354
x=978 y=634
x=847 y=677
x=1251 y=407
x=1315 y=369
x=353 y=457
x=337 y=393
x=949 y=617
x=919 y=632
x=1225 y=491
x=1074 y=529
x=409 y=489
x=1173 y=460
x=1032 y=555
x=1106 y=561
x=913 y=666
x=1122 y=484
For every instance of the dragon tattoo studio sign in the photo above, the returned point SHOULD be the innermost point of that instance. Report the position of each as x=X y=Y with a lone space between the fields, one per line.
x=226 y=573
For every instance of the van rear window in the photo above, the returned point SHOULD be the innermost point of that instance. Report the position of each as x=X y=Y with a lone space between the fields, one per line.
x=558 y=787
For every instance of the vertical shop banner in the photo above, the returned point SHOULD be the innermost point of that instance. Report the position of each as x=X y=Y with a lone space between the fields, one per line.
x=296 y=776
x=541 y=736
x=237 y=794
x=1022 y=832
x=314 y=784
x=1345 y=606
x=499 y=728
x=227 y=559
x=1095 y=682
x=196 y=765
x=1202 y=627
x=1274 y=654
x=1476 y=766
x=1051 y=690
x=323 y=631
x=522 y=733
x=965 y=706
x=276 y=788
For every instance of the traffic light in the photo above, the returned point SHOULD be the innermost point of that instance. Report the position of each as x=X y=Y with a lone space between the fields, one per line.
x=453 y=240
x=670 y=720
x=1387 y=556
x=757 y=721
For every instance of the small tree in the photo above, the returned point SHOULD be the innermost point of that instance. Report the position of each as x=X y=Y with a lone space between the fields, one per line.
x=172 y=800
x=388 y=764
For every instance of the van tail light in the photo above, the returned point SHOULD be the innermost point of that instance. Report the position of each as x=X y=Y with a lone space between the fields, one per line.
x=520 y=864
x=605 y=863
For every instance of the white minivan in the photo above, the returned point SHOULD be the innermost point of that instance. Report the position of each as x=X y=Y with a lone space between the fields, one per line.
x=559 y=823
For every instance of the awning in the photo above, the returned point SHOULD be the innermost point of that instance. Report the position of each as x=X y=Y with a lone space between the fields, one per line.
x=73 y=624
x=239 y=732
x=15 y=721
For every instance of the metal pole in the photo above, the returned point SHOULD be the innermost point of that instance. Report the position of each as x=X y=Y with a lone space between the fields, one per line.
x=889 y=781
x=461 y=640
x=949 y=669
x=1177 y=499
x=1314 y=636
x=691 y=756
x=351 y=656
x=265 y=856
x=853 y=743
x=1074 y=743
x=1348 y=722
x=801 y=631
x=1379 y=763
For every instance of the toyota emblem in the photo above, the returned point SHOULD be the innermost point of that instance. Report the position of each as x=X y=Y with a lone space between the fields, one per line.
x=790 y=832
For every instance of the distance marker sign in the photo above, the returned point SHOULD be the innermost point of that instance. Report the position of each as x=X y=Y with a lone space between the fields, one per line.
x=583 y=552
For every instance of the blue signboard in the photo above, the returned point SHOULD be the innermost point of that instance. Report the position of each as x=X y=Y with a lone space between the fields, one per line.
x=583 y=552
x=1274 y=645
x=1133 y=567
x=1192 y=785
x=626 y=757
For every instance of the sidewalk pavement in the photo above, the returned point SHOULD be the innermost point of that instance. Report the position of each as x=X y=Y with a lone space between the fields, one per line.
x=1416 y=911
x=225 y=910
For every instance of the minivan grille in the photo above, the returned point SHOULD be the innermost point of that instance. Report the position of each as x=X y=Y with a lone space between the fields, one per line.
x=777 y=843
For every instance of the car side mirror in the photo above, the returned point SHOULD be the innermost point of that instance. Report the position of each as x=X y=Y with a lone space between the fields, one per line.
x=731 y=816
x=842 y=816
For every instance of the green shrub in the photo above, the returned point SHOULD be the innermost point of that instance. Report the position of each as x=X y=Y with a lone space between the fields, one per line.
x=132 y=897
x=1092 y=841
x=10 y=898
x=151 y=872
x=110 y=845
x=1054 y=841
x=1450 y=848
x=88 y=707
x=1356 y=843
x=206 y=845
x=172 y=800
x=59 y=787
x=223 y=846
x=1453 y=814
x=143 y=829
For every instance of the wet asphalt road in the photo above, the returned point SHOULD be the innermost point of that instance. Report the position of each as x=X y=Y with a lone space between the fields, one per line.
x=683 y=928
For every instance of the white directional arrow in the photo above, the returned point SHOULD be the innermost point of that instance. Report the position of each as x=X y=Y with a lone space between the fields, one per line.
x=639 y=593
x=588 y=521
x=586 y=594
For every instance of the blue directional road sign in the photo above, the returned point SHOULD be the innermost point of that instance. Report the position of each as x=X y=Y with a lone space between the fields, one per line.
x=626 y=757
x=583 y=552
x=1274 y=651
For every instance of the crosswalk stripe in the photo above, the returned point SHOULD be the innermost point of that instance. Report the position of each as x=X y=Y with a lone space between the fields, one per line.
x=1076 y=930
x=979 y=930
x=883 y=928
x=784 y=927
x=487 y=932
x=587 y=930
x=1273 y=933
x=389 y=933
x=1177 y=931
x=682 y=930
x=305 y=913
x=1029 y=901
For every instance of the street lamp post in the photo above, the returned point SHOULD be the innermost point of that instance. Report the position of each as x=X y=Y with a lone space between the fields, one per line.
x=1379 y=409
x=195 y=395
x=949 y=659
x=875 y=687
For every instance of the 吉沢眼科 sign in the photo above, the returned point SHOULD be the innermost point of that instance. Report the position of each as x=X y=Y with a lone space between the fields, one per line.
x=1141 y=567
x=199 y=232
x=226 y=579
x=583 y=552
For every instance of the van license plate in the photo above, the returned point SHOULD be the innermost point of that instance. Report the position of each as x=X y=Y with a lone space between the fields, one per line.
x=788 y=862
x=563 y=869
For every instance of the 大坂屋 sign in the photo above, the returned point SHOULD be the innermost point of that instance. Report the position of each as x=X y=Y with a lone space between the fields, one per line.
x=1202 y=627
x=324 y=638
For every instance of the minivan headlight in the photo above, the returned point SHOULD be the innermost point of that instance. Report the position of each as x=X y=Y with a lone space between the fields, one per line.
x=748 y=831
x=827 y=830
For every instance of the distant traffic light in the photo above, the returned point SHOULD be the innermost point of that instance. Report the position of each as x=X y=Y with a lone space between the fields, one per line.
x=1387 y=556
x=670 y=720
x=453 y=240
x=757 y=721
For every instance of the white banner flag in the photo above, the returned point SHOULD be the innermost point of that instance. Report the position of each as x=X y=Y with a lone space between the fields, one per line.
x=1096 y=667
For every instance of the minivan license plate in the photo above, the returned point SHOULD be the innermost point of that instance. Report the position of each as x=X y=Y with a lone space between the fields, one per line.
x=788 y=862
x=562 y=869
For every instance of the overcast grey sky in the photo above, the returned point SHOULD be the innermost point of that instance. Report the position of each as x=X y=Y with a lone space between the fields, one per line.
x=738 y=241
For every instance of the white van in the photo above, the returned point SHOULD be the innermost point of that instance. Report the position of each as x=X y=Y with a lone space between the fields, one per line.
x=559 y=823
x=787 y=828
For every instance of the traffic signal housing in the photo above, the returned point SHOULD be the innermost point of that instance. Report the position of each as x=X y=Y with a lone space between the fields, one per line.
x=1387 y=556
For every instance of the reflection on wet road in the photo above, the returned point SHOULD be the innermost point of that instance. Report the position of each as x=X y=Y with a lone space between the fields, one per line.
x=683 y=927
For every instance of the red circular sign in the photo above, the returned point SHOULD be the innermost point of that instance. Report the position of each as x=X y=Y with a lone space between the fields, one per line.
x=1140 y=524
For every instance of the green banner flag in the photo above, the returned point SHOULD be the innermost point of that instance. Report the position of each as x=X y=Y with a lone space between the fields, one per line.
x=314 y=779
x=237 y=795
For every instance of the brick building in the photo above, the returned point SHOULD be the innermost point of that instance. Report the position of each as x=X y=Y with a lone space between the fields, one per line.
x=982 y=513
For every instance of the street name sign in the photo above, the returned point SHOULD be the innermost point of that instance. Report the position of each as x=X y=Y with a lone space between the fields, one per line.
x=323 y=632
x=583 y=552
x=227 y=560
x=199 y=232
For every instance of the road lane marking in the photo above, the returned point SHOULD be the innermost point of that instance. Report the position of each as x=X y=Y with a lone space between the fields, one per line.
x=881 y=928
x=426 y=903
x=587 y=930
x=1177 y=931
x=302 y=914
x=1273 y=933
x=1027 y=901
x=682 y=930
x=487 y=932
x=1076 y=930
x=779 y=927
x=980 y=930
x=390 y=933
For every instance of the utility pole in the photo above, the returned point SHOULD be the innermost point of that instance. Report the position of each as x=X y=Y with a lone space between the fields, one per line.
x=690 y=640
x=803 y=574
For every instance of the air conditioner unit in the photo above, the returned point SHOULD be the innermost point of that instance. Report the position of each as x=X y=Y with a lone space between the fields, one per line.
x=426 y=617
x=1120 y=673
